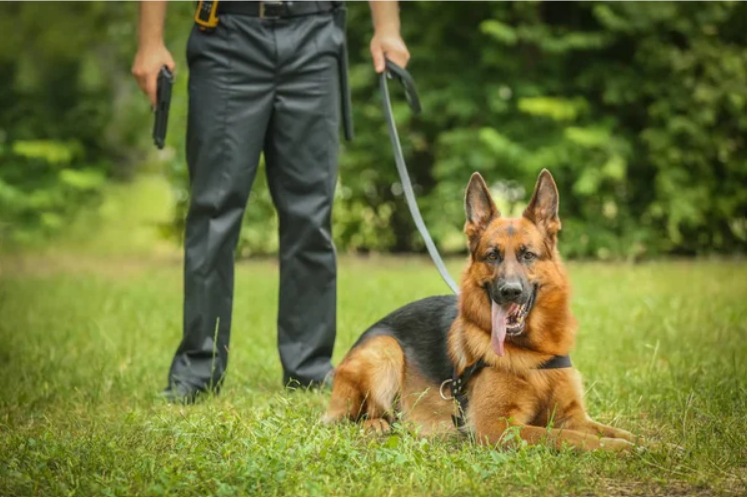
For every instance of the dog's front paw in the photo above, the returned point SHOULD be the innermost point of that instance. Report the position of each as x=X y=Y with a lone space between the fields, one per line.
x=378 y=426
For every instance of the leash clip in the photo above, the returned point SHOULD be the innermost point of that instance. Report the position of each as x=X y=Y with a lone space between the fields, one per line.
x=441 y=390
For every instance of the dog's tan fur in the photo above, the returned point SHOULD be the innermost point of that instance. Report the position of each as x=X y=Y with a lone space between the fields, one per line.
x=540 y=405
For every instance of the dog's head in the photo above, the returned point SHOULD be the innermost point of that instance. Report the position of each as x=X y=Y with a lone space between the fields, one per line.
x=515 y=260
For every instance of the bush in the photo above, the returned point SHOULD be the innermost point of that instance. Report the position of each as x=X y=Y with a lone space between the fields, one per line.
x=638 y=110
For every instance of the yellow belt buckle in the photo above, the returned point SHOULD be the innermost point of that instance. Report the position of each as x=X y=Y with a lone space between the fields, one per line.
x=205 y=17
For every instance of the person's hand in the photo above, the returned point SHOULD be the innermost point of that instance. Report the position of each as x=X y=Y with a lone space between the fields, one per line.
x=388 y=44
x=148 y=62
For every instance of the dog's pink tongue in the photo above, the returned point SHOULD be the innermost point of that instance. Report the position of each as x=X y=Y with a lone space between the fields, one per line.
x=498 y=335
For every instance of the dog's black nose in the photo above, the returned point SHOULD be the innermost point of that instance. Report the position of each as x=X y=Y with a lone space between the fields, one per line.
x=510 y=290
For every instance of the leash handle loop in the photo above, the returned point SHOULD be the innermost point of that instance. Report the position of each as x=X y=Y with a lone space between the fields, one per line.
x=407 y=81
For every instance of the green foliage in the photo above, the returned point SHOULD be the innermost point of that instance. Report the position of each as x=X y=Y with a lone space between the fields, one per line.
x=87 y=344
x=639 y=110
x=56 y=99
x=72 y=117
x=40 y=188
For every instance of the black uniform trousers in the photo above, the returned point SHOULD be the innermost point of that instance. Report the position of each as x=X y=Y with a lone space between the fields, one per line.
x=261 y=85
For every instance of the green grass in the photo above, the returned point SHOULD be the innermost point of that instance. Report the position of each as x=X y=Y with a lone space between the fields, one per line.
x=85 y=346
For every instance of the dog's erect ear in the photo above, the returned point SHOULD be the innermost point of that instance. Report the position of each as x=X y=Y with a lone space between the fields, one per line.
x=480 y=208
x=543 y=207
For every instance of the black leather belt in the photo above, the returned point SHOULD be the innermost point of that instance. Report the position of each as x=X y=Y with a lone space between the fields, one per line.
x=275 y=10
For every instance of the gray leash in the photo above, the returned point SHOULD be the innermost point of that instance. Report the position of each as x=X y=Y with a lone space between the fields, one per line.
x=393 y=70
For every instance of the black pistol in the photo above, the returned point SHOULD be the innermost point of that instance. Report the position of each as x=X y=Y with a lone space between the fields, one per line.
x=163 y=102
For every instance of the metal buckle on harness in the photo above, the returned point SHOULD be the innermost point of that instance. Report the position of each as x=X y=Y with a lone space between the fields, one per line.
x=441 y=390
x=271 y=10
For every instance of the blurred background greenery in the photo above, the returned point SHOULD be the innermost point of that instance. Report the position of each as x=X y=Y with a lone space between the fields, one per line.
x=638 y=109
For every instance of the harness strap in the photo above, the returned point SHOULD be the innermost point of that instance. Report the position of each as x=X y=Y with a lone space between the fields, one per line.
x=557 y=362
x=459 y=384
x=459 y=390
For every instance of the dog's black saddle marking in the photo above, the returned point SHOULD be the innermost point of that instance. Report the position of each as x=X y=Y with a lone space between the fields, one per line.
x=421 y=328
x=459 y=383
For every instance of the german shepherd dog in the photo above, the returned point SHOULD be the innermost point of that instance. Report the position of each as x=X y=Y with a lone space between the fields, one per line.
x=512 y=318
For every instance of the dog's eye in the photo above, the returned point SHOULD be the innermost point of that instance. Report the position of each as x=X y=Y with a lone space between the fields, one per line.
x=529 y=256
x=492 y=256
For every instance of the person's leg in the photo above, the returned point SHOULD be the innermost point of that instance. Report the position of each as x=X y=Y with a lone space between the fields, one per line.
x=231 y=89
x=301 y=154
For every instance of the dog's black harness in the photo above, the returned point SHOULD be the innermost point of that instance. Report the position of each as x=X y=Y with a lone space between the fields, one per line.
x=458 y=384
